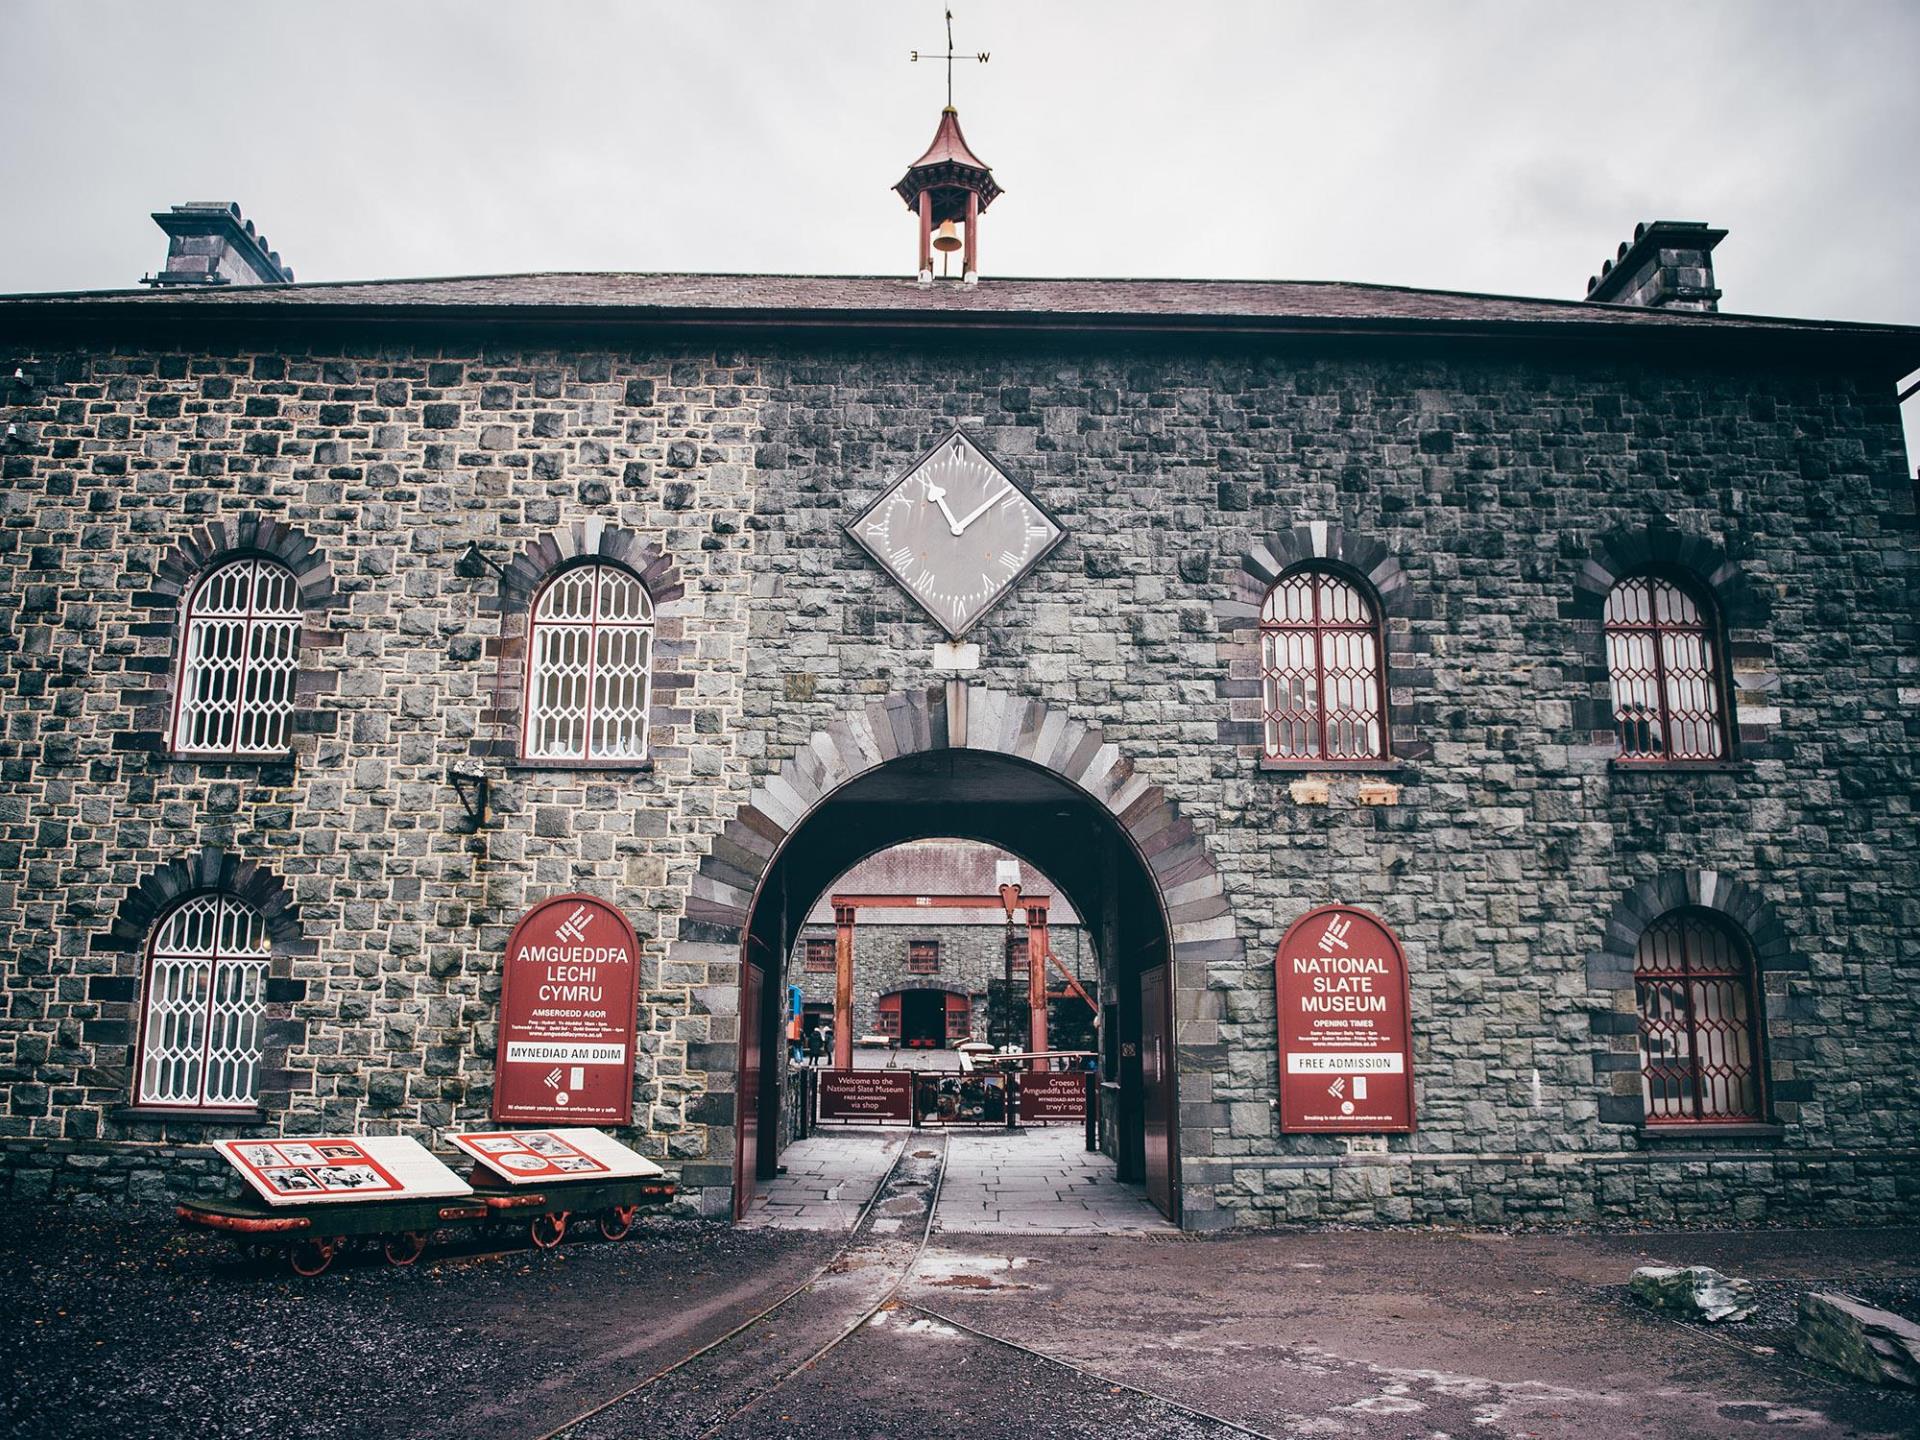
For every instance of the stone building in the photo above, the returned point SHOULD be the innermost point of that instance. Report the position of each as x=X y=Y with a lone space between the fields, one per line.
x=1575 y=639
x=924 y=970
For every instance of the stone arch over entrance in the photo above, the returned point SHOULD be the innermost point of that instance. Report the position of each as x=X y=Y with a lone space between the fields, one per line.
x=1014 y=772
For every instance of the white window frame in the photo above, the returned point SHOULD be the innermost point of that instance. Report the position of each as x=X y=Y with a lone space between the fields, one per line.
x=203 y=1007
x=233 y=693
x=583 y=618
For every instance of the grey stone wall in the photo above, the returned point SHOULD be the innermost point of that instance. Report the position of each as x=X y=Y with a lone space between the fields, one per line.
x=1508 y=862
x=390 y=468
x=970 y=957
x=1514 y=840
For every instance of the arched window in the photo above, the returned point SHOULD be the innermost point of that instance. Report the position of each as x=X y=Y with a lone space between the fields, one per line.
x=1324 y=693
x=206 y=985
x=238 y=659
x=1699 y=1021
x=589 y=667
x=1663 y=660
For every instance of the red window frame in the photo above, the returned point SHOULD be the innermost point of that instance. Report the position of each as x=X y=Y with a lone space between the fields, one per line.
x=923 y=957
x=1318 y=628
x=1659 y=636
x=1020 y=956
x=1693 y=971
x=821 y=958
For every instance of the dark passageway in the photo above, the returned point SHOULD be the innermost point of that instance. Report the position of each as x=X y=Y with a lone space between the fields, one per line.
x=1033 y=814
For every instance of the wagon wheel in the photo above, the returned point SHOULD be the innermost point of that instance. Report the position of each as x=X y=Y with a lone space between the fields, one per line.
x=618 y=1221
x=404 y=1248
x=548 y=1230
x=311 y=1256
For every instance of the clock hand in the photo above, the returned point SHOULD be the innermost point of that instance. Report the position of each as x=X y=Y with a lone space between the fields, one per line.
x=985 y=505
x=939 y=497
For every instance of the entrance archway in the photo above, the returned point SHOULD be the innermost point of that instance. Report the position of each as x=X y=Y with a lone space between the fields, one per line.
x=1019 y=775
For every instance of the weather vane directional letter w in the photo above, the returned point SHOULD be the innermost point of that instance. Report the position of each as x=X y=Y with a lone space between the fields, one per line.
x=952 y=55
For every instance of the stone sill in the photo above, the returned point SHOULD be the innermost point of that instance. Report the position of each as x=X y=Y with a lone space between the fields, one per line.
x=146 y=1113
x=254 y=762
x=1335 y=767
x=1661 y=767
x=1730 y=1131
x=581 y=767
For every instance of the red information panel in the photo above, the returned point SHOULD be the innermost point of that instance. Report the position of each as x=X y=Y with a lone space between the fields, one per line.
x=566 y=1015
x=1346 y=1042
x=531 y=1154
x=312 y=1169
x=1053 y=1095
x=875 y=1095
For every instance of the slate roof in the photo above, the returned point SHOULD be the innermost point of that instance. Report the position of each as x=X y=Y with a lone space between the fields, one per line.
x=564 y=299
x=937 y=867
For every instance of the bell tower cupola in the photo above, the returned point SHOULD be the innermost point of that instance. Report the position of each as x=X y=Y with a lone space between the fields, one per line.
x=949 y=188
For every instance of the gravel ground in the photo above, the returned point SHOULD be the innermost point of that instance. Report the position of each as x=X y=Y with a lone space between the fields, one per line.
x=1396 y=1333
x=125 y=1330
x=907 y=1375
x=1769 y=1330
x=120 y=1330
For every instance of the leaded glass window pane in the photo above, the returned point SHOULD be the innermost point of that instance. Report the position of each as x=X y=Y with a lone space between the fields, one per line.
x=1664 y=673
x=239 y=658
x=1323 y=693
x=590 y=667
x=200 y=1038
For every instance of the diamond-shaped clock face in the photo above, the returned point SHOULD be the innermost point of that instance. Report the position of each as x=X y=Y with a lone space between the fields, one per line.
x=956 y=533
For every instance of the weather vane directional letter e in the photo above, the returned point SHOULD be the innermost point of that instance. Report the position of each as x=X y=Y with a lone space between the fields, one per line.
x=952 y=55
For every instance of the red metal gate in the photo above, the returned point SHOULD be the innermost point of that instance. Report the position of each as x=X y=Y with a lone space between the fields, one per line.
x=1156 y=1074
x=746 y=1120
x=959 y=1017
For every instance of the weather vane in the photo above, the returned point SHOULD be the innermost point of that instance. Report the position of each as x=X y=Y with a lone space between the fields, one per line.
x=952 y=55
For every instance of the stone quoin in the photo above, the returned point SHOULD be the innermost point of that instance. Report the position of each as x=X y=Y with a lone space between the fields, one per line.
x=1574 y=640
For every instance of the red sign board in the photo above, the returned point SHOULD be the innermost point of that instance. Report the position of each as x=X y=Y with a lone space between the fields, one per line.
x=1053 y=1095
x=531 y=1154
x=313 y=1168
x=1346 y=1041
x=567 y=997
x=875 y=1095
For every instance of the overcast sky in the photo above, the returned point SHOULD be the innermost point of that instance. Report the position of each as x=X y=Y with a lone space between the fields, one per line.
x=1505 y=147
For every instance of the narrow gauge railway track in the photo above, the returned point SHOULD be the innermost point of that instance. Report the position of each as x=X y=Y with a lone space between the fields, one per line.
x=704 y=1392
x=712 y=1386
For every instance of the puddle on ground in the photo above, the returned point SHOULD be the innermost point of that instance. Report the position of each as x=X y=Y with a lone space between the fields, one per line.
x=894 y=1320
x=954 y=1270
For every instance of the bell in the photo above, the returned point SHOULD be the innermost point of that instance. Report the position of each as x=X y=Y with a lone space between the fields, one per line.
x=947 y=237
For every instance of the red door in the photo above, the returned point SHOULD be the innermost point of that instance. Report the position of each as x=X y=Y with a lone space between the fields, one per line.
x=889 y=1018
x=746 y=1118
x=1156 y=1087
x=959 y=1018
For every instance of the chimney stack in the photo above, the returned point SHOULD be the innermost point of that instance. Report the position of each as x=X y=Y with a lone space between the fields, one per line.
x=1669 y=266
x=208 y=243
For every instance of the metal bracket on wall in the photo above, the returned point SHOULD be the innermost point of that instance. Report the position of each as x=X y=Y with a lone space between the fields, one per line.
x=471 y=783
x=475 y=562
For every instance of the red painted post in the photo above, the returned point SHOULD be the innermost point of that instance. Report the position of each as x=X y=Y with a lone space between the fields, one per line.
x=926 y=232
x=971 y=265
x=1037 y=982
x=843 y=987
